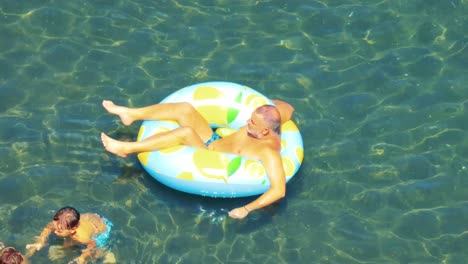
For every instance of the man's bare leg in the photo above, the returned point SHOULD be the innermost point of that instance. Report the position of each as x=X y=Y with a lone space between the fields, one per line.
x=183 y=113
x=179 y=136
x=123 y=112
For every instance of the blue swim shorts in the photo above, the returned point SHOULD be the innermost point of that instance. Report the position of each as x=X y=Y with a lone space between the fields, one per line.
x=102 y=238
x=214 y=137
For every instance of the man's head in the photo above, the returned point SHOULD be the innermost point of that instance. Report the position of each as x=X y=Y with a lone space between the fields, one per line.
x=11 y=256
x=66 y=220
x=264 y=120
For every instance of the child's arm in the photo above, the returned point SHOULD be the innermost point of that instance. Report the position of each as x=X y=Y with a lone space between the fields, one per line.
x=86 y=253
x=41 y=240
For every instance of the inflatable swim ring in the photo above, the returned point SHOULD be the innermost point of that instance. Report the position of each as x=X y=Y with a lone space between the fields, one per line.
x=227 y=107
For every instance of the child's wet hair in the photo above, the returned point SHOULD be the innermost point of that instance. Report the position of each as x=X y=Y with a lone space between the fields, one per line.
x=11 y=256
x=67 y=217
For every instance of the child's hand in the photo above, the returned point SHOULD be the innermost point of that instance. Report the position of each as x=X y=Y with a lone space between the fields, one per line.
x=35 y=246
x=77 y=260
x=56 y=253
x=2 y=246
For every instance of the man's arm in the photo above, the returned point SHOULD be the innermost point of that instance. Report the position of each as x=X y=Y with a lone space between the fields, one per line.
x=286 y=110
x=274 y=168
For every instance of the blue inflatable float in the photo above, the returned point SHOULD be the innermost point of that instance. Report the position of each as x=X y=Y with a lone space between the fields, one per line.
x=227 y=107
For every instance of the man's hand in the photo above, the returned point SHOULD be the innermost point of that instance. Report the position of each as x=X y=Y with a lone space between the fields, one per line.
x=239 y=213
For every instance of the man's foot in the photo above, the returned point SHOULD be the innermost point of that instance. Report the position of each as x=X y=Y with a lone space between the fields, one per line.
x=121 y=111
x=113 y=146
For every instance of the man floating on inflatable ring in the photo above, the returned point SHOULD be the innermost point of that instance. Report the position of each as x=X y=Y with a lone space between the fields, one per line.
x=259 y=139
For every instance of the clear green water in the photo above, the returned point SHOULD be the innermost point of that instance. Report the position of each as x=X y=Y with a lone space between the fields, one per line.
x=381 y=97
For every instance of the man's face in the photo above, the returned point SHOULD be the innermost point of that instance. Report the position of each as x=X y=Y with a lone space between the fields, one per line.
x=256 y=126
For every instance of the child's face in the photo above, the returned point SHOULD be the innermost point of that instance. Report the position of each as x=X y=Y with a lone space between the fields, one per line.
x=60 y=231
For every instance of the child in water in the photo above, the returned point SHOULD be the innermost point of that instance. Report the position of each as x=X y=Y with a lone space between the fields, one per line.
x=88 y=229
x=10 y=255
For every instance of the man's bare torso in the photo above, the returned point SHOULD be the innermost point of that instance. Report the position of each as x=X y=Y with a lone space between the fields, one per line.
x=240 y=143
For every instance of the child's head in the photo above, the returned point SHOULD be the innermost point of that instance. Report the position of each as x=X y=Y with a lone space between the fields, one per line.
x=66 y=220
x=10 y=255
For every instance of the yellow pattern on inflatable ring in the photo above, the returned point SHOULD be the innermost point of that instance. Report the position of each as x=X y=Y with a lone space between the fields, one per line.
x=143 y=156
x=211 y=164
x=289 y=126
x=207 y=92
x=254 y=169
x=284 y=144
x=255 y=100
x=299 y=154
x=289 y=166
x=213 y=113
x=185 y=175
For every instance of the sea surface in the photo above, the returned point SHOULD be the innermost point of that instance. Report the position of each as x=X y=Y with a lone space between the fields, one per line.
x=380 y=90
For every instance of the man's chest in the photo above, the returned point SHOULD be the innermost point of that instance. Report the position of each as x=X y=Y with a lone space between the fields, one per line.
x=237 y=144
